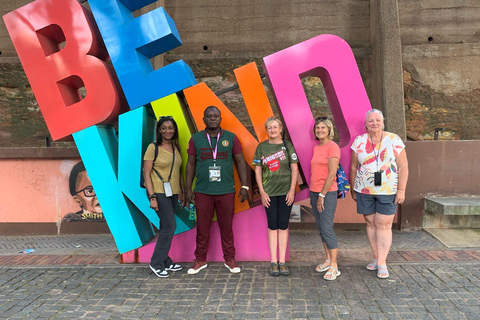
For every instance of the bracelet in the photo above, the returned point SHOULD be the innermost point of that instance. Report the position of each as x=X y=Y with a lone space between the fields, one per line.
x=321 y=195
x=152 y=196
x=246 y=188
x=184 y=191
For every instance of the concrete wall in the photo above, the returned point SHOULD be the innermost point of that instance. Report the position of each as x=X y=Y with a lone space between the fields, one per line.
x=34 y=193
x=441 y=61
x=440 y=168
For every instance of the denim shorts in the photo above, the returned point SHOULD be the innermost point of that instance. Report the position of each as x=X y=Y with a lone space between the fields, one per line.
x=372 y=203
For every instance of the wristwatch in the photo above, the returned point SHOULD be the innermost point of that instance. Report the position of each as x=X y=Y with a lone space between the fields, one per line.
x=321 y=195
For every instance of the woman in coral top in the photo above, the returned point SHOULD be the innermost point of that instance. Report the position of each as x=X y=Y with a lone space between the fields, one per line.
x=323 y=193
x=379 y=173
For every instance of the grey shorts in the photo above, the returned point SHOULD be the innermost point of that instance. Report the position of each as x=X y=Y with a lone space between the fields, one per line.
x=372 y=203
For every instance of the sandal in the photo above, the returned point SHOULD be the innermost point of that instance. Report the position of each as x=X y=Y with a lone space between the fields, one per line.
x=274 y=271
x=383 y=270
x=334 y=273
x=323 y=267
x=284 y=269
x=372 y=266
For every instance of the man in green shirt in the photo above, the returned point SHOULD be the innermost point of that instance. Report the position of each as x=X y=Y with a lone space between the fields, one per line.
x=211 y=154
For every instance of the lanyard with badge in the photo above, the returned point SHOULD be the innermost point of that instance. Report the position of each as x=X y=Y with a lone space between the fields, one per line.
x=214 y=172
x=377 y=176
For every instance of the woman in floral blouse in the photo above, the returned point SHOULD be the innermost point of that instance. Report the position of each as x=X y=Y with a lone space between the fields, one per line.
x=379 y=173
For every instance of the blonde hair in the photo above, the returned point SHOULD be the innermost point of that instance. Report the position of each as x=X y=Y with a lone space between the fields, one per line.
x=274 y=118
x=328 y=123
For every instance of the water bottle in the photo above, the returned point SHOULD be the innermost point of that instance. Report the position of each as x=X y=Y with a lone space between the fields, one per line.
x=191 y=212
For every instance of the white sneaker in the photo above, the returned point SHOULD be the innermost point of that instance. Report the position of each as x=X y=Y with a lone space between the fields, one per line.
x=174 y=267
x=197 y=266
x=159 y=273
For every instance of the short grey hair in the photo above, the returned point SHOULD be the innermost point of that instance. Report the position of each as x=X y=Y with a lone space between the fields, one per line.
x=369 y=112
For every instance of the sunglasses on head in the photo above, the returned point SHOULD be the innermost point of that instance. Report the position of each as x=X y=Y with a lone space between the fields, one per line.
x=165 y=117
x=321 y=118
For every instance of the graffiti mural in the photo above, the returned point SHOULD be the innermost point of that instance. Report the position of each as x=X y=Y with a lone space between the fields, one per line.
x=114 y=161
x=84 y=195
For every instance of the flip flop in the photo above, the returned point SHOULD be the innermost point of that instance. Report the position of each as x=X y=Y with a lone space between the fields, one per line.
x=334 y=273
x=323 y=267
x=372 y=266
x=382 y=270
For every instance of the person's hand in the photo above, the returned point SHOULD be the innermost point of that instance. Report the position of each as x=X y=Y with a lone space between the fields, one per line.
x=182 y=199
x=400 y=197
x=190 y=197
x=320 y=204
x=154 y=204
x=290 y=198
x=265 y=199
x=354 y=195
x=242 y=194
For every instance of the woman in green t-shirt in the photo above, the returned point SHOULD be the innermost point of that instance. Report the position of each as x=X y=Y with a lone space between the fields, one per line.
x=276 y=171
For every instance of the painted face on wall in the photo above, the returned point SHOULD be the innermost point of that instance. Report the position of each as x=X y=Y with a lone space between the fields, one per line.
x=85 y=195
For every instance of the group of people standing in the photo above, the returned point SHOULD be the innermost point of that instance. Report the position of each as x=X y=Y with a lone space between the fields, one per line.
x=378 y=174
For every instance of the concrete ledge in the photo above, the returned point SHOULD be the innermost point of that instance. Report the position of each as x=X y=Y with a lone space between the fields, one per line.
x=51 y=152
x=453 y=205
x=451 y=212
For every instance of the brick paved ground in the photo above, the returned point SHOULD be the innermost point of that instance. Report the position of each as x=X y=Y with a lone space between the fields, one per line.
x=414 y=291
x=80 y=277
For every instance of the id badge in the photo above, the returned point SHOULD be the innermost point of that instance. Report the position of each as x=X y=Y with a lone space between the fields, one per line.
x=167 y=187
x=214 y=174
x=377 y=178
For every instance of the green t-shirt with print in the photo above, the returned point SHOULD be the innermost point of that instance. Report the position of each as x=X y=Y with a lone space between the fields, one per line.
x=276 y=173
x=228 y=146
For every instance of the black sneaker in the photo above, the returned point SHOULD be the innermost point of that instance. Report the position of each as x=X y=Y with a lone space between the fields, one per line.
x=159 y=273
x=174 y=267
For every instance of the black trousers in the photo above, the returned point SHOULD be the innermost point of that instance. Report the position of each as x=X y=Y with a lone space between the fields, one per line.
x=166 y=212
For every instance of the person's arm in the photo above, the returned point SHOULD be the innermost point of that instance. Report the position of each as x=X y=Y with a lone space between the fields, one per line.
x=332 y=173
x=353 y=173
x=402 y=164
x=242 y=172
x=147 y=170
x=190 y=173
x=181 y=196
x=264 y=196
x=290 y=199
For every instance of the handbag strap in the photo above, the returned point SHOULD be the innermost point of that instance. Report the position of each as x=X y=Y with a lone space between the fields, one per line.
x=171 y=168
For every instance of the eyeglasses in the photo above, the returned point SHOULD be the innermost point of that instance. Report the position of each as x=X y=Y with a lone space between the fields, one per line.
x=87 y=191
x=321 y=119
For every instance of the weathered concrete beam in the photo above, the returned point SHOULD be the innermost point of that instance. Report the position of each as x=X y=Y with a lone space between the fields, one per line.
x=387 y=64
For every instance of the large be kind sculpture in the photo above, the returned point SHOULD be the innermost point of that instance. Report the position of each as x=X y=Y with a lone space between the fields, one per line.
x=114 y=164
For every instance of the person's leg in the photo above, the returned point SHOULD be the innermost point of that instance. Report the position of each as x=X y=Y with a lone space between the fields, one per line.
x=313 y=202
x=326 y=225
x=166 y=213
x=204 y=205
x=224 y=206
x=383 y=226
x=272 y=219
x=283 y=219
x=371 y=234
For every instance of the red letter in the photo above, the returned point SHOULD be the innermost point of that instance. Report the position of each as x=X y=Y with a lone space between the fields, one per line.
x=55 y=74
